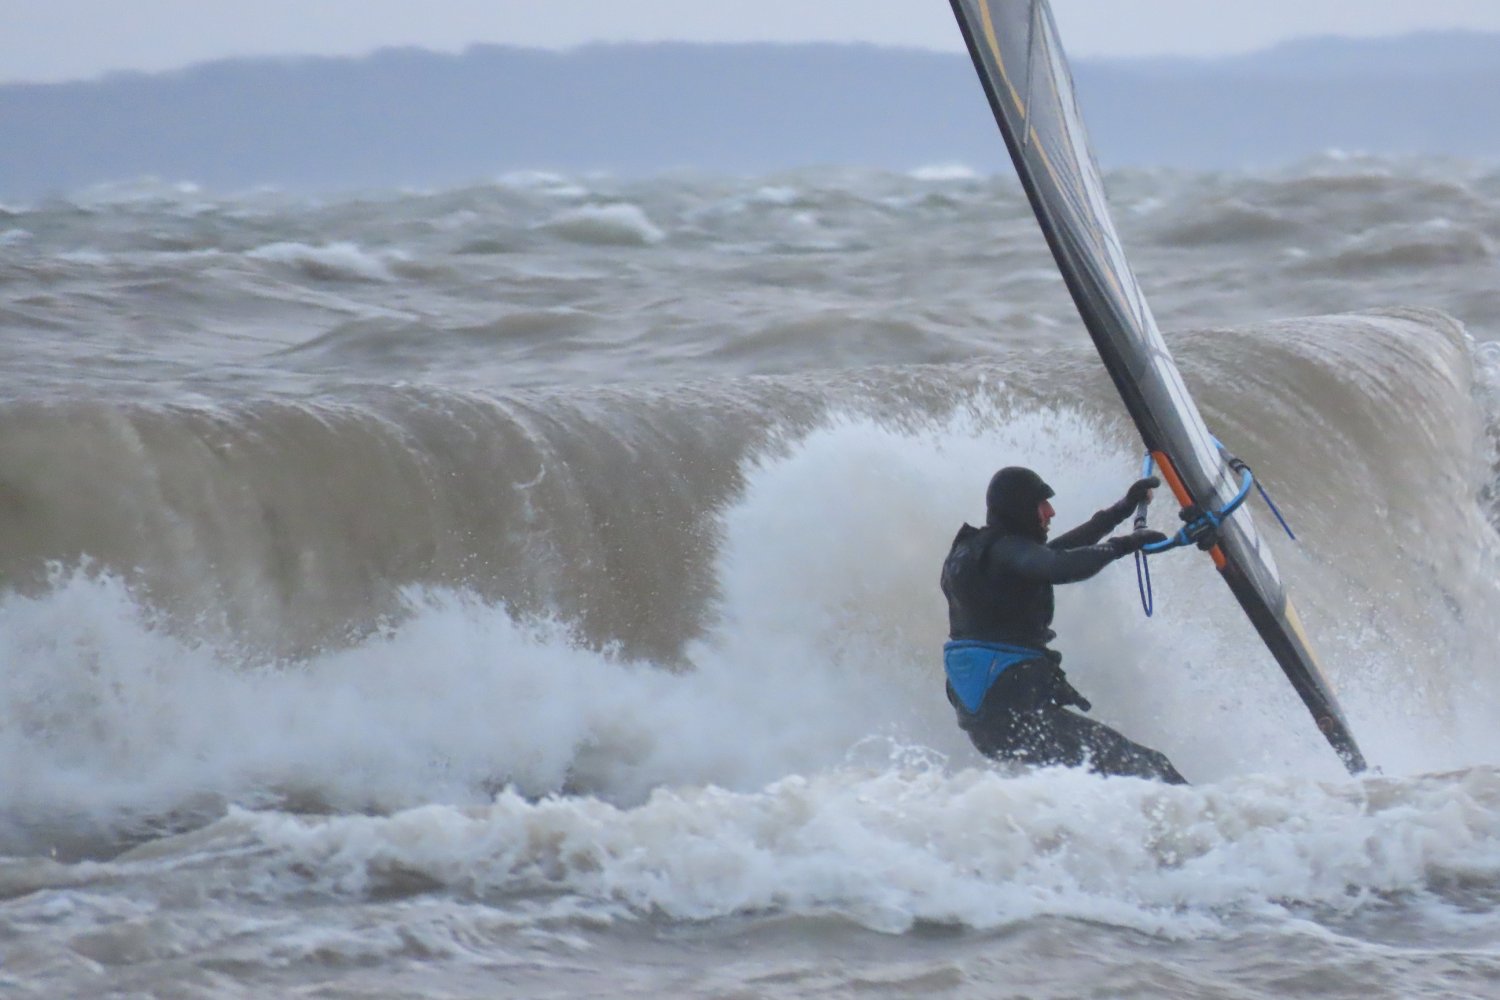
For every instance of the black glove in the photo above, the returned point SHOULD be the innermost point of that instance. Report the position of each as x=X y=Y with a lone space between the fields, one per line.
x=1138 y=490
x=1134 y=542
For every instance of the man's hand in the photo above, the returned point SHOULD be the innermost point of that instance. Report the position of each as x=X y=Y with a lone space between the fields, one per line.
x=1135 y=541
x=1140 y=491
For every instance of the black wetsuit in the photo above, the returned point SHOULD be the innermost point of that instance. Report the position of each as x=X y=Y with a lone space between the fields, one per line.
x=998 y=580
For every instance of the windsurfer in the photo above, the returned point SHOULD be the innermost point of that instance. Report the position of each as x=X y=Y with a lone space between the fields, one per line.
x=1007 y=687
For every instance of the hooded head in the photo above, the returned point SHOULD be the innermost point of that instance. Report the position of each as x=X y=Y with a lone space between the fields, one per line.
x=1012 y=502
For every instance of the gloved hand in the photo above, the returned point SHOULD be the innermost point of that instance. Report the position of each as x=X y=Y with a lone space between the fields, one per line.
x=1139 y=489
x=1135 y=541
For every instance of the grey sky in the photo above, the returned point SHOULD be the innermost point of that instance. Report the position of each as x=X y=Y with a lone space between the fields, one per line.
x=68 y=39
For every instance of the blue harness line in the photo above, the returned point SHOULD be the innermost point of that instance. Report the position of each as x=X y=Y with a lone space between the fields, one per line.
x=973 y=666
x=1200 y=522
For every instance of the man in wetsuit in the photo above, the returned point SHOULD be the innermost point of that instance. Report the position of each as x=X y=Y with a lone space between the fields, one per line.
x=1007 y=687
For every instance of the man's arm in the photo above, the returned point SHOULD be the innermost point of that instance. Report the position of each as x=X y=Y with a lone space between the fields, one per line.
x=1013 y=556
x=1091 y=531
x=1106 y=520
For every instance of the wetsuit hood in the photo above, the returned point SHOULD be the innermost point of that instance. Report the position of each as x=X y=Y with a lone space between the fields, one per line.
x=1012 y=499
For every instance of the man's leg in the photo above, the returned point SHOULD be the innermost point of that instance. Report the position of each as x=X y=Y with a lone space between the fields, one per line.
x=1058 y=736
x=1019 y=721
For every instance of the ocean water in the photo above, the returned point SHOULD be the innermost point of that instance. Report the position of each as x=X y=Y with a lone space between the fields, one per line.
x=530 y=589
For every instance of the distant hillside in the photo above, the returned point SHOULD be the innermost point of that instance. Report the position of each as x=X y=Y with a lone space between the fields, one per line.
x=415 y=117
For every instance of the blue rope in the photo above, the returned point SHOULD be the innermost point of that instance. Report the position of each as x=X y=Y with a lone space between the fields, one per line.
x=1195 y=529
x=1272 y=504
x=1263 y=494
x=1143 y=582
x=1192 y=531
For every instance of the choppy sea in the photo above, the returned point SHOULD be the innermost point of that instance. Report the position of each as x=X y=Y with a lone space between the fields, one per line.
x=530 y=589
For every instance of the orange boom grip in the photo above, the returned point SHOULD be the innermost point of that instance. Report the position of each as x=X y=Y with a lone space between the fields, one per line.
x=1183 y=499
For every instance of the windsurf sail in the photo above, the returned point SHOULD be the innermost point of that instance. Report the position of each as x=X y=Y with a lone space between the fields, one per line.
x=1015 y=48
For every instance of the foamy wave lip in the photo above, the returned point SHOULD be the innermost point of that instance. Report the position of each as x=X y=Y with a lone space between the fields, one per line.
x=330 y=262
x=92 y=258
x=542 y=182
x=1433 y=242
x=891 y=848
x=775 y=194
x=944 y=172
x=767 y=196
x=15 y=237
x=619 y=224
x=140 y=191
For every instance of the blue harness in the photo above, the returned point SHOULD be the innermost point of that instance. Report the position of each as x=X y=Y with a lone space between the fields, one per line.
x=973 y=666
